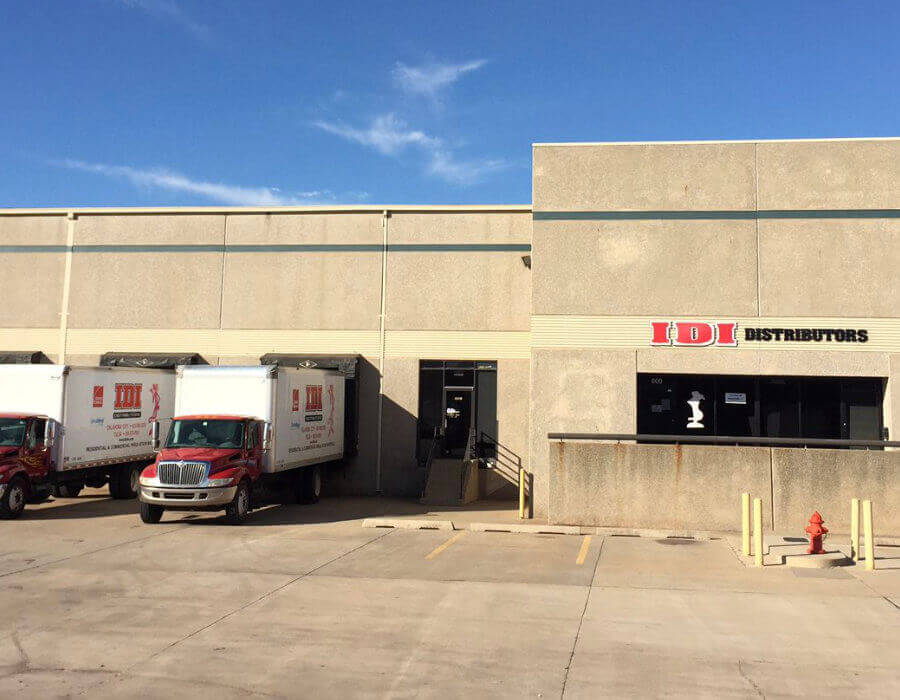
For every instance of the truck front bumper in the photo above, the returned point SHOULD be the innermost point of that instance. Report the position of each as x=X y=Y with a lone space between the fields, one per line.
x=172 y=497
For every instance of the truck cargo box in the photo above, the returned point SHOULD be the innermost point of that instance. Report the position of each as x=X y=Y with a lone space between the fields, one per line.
x=103 y=414
x=304 y=407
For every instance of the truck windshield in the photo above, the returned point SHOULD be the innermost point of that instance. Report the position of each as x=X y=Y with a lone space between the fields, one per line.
x=204 y=432
x=12 y=432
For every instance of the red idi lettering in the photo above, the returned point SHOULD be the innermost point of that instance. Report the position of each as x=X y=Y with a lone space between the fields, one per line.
x=693 y=333
x=127 y=396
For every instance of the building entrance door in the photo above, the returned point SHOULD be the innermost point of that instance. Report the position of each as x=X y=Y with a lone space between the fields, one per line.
x=458 y=420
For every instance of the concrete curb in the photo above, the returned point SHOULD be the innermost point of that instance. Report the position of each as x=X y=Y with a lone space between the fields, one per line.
x=816 y=561
x=408 y=524
x=537 y=529
x=525 y=528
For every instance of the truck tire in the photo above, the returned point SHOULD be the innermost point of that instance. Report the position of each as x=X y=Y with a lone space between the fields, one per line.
x=151 y=514
x=69 y=490
x=125 y=482
x=13 y=501
x=310 y=484
x=237 y=511
x=39 y=495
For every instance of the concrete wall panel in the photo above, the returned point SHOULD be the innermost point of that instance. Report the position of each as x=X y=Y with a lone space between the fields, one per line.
x=460 y=227
x=512 y=417
x=676 y=487
x=470 y=290
x=842 y=267
x=644 y=176
x=150 y=229
x=784 y=362
x=401 y=475
x=577 y=390
x=644 y=267
x=31 y=280
x=120 y=287
x=302 y=290
x=336 y=228
x=826 y=480
x=829 y=174
x=145 y=290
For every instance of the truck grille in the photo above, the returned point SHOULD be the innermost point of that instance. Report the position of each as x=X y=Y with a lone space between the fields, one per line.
x=181 y=473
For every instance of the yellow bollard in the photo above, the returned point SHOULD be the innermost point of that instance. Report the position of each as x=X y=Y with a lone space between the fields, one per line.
x=870 y=538
x=757 y=531
x=521 y=493
x=854 y=529
x=745 y=524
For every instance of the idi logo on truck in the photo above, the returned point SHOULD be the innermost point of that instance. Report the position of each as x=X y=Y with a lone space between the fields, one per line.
x=98 y=396
x=128 y=401
x=295 y=401
x=313 y=403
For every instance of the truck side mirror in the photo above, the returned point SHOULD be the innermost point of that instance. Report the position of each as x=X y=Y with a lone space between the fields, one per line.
x=266 y=437
x=154 y=432
x=49 y=433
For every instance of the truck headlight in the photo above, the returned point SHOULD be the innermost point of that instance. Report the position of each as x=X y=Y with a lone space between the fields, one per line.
x=220 y=482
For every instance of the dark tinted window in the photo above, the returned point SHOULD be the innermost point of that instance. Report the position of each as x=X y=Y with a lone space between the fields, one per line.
x=745 y=406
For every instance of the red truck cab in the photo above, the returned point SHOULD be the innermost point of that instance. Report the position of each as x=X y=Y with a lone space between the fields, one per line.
x=25 y=462
x=208 y=462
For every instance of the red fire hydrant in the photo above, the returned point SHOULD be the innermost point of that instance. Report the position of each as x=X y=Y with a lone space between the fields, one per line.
x=816 y=531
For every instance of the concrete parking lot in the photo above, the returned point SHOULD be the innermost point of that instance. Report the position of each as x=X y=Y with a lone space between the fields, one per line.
x=305 y=602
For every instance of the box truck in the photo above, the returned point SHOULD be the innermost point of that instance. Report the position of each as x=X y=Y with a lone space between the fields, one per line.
x=238 y=428
x=62 y=428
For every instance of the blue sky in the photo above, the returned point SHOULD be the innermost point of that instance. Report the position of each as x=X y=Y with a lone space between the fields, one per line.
x=204 y=102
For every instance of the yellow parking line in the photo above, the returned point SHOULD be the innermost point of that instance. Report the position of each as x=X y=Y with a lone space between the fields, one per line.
x=441 y=548
x=582 y=553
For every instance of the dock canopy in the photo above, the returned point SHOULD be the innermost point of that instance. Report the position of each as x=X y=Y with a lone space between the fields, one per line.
x=24 y=357
x=345 y=364
x=154 y=360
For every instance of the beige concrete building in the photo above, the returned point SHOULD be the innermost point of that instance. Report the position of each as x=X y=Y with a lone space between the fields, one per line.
x=761 y=277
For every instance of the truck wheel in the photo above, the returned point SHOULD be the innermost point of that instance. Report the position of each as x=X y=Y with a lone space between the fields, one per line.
x=125 y=482
x=237 y=511
x=67 y=490
x=39 y=495
x=151 y=514
x=13 y=501
x=311 y=479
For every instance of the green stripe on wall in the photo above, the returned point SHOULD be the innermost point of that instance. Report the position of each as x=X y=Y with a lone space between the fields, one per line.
x=275 y=248
x=716 y=215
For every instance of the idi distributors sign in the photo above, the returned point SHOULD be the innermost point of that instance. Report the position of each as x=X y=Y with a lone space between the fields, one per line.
x=727 y=334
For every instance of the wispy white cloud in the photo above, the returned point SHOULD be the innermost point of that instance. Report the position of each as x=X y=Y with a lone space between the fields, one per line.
x=445 y=165
x=170 y=10
x=390 y=136
x=386 y=134
x=164 y=179
x=430 y=79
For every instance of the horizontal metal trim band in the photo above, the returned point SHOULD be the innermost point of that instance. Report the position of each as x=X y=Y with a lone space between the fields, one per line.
x=273 y=248
x=215 y=342
x=716 y=215
x=247 y=210
x=722 y=440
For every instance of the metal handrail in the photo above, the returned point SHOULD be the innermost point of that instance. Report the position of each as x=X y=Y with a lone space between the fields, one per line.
x=430 y=458
x=724 y=440
x=468 y=455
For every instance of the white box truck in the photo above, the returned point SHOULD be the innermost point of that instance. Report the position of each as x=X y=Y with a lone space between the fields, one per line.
x=236 y=428
x=62 y=428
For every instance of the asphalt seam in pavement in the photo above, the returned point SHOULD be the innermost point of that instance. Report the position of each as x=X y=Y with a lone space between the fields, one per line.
x=244 y=607
x=263 y=597
x=587 y=599
x=93 y=551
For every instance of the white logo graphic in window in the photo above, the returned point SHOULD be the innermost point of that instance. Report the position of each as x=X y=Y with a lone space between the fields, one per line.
x=696 y=413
